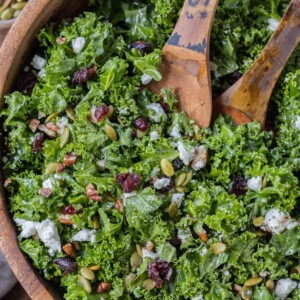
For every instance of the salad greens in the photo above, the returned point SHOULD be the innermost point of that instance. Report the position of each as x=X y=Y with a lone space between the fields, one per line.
x=107 y=178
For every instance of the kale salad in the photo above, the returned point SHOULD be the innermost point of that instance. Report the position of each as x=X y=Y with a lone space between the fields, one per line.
x=119 y=195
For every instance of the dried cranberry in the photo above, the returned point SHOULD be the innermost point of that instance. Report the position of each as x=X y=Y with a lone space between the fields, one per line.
x=38 y=143
x=70 y=210
x=143 y=47
x=26 y=82
x=101 y=112
x=165 y=106
x=176 y=242
x=67 y=264
x=141 y=124
x=83 y=75
x=160 y=271
x=177 y=165
x=239 y=187
x=128 y=182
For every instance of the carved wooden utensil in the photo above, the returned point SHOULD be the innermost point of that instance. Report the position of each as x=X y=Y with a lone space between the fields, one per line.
x=185 y=64
x=247 y=100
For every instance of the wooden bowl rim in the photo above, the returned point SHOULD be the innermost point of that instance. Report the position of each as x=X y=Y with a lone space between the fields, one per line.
x=12 y=55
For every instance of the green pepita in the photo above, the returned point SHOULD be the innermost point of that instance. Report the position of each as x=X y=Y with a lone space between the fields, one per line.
x=64 y=138
x=96 y=222
x=18 y=6
x=257 y=222
x=71 y=112
x=85 y=284
x=149 y=284
x=253 y=281
x=167 y=167
x=270 y=285
x=7 y=14
x=135 y=260
x=139 y=250
x=52 y=116
x=218 y=248
x=173 y=209
x=87 y=273
x=179 y=180
x=246 y=293
x=51 y=168
x=110 y=131
x=188 y=178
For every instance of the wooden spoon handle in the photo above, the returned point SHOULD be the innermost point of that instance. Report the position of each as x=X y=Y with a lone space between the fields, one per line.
x=192 y=30
x=251 y=94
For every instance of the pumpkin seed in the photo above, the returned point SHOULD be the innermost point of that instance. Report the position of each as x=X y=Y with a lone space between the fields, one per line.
x=18 y=6
x=85 y=284
x=246 y=293
x=173 y=209
x=167 y=167
x=257 y=222
x=149 y=284
x=180 y=189
x=87 y=273
x=179 y=180
x=260 y=233
x=52 y=116
x=264 y=182
x=188 y=179
x=111 y=133
x=139 y=250
x=51 y=168
x=71 y=112
x=95 y=268
x=270 y=285
x=253 y=281
x=96 y=222
x=7 y=14
x=140 y=134
x=110 y=112
x=218 y=248
x=64 y=138
x=135 y=260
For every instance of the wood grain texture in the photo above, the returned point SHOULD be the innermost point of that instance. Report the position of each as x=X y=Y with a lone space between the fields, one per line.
x=185 y=64
x=4 y=28
x=13 y=55
x=250 y=95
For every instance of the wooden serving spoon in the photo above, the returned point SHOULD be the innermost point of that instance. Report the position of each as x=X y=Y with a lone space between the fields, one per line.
x=185 y=62
x=247 y=100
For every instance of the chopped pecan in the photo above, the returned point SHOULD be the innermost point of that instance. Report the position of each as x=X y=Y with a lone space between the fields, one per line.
x=60 y=168
x=50 y=133
x=7 y=182
x=70 y=250
x=66 y=219
x=34 y=124
x=45 y=192
x=92 y=193
x=203 y=235
x=103 y=287
x=70 y=159
x=51 y=126
x=119 y=206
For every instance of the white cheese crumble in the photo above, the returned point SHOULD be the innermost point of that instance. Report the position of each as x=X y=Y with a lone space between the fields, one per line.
x=199 y=158
x=297 y=123
x=48 y=184
x=175 y=132
x=154 y=136
x=276 y=221
x=184 y=154
x=62 y=123
x=161 y=183
x=204 y=251
x=177 y=198
x=255 y=183
x=148 y=254
x=146 y=79
x=28 y=228
x=158 y=111
x=78 y=44
x=273 y=24
x=226 y=273
x=42 y=73
x=284 y=287
x=38 y=62
x=85 y=235
x=48 y=234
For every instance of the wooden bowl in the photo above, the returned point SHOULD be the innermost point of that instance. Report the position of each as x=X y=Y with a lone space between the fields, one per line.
x=13 y=55
x=4 y=28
